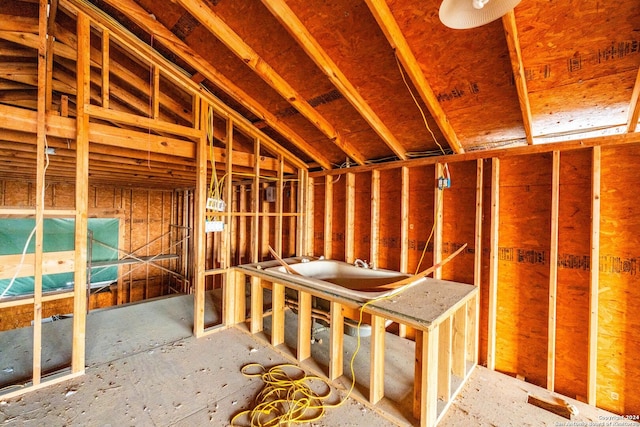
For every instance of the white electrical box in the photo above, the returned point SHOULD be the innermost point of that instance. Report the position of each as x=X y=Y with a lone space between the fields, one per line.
x=217 y=205
x=213 y=226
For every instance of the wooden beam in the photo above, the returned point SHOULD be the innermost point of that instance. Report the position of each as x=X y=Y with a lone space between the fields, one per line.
x=199 y=235
x=438 y=219
x=305 y=323
x=163 y=36
x=255 y=205
x=477 y=257
x=444 y=360
x=499 y=153
x=49 y=263
x=336 y=340
x=553 y=272
x=40 y=192
x=376 y=376
x=82 y=196
x=404 y=221
x=594 y=280
x=389 y=26
x=493 y=266
x=219 y=28
x=328 y=217
x=310 y=45
x=350 y=218
x=277 y=314
x=375 y=218
x=513 y=43
x=634 y=106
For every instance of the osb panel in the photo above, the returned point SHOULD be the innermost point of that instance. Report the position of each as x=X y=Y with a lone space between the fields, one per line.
x=348 y=32
x=64 y=196
x=523 y=283
x=468 y=70
x=459 y=222
x=583 y=105
x=572 y=302
x=17 y=194
x=318 y=216
x=339 y=218
x=556 y=54
x=362 y=225
x=139 y=229
x=422 y=183
x=619 y=296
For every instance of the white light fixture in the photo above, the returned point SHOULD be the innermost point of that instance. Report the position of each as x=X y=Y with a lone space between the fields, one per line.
x=463 y=14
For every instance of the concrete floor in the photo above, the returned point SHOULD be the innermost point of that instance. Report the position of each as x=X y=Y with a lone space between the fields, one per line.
x=146 y=370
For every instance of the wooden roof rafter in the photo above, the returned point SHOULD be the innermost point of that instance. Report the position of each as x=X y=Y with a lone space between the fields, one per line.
x=634 y=106
x=389 y=26
x=180 y=77
x=299 y=32
x=218 y=27
x=164 y=36
x=515 y=53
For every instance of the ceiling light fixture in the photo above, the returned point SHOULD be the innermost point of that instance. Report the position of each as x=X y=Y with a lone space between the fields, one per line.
x=464 y=14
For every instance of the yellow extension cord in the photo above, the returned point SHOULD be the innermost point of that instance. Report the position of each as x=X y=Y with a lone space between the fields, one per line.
x=286 y=400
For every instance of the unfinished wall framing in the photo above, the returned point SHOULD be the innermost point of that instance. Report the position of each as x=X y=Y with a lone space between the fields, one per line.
x=540 y=236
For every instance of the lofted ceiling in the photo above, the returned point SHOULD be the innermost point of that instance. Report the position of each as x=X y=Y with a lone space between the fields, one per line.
x=344 y=82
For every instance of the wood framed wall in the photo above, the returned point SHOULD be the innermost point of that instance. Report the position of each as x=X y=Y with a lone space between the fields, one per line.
x=559 y=319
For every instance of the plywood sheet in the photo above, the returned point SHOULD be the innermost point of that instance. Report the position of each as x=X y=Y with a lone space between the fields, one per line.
x=338 y=231
x=619 y=296
x=459 y=220
x=523 y=271
x=390 y=243
x=421 y=206
x=362 y=225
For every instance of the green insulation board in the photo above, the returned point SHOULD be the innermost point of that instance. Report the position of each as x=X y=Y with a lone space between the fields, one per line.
x=59 y=235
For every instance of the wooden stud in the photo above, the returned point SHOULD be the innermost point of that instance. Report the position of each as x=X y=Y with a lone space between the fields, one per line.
x=513 y=44
x=376 y=379
x=553 y=272
x=438 y=230
x=350 y=218
x=82 y=195
x=336 y=340
x=404 y=233
x=219 y=28
x=105 y=69
x=229 y=288
x=40 y=189
x=310 y=45
x=477 y=257
x=429 y=375
x=255 y=204
x=493 y=266
x=305 y=323
x=634 y=106
x=387 y=22
x=375 y=217
x=459 y=338
x=64 y=106
x=302 y=237
x=277 y=314
x=309 y=215
x=473 y=311
x=257 y=305
x=328 y=217
x=417 y=375
x=199 y=235
x=444 y=360
x=279 y=206
x=594 y=281
x=242 y=226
